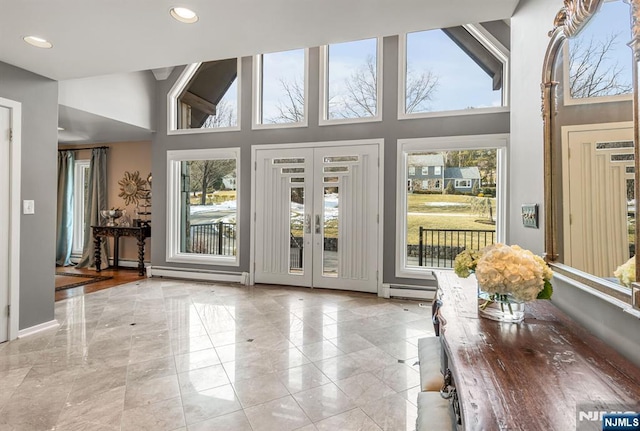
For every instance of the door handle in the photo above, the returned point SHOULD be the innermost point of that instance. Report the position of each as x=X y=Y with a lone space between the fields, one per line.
x=307 y=223
x=317 y=224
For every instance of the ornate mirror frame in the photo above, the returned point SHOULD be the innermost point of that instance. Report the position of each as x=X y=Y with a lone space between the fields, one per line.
x=568 y=21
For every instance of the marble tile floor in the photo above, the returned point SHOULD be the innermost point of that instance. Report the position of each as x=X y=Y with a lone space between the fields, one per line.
x=161 y=354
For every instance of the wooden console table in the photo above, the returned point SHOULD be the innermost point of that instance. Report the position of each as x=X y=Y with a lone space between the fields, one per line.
x=528 y=376
x=139 y=232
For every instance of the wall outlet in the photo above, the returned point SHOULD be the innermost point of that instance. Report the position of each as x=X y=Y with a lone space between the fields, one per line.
x=28 y=207
x=530 y=215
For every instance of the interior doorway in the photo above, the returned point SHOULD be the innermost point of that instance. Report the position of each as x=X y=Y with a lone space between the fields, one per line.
x=317 y=216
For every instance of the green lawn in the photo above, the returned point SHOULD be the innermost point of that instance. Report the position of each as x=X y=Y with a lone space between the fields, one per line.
x=447 y=212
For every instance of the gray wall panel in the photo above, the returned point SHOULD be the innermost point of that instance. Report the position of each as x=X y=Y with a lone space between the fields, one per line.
x=39 y=99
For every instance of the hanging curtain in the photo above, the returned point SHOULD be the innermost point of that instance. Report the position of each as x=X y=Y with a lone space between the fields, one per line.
x=64 y=228
x=96 y=201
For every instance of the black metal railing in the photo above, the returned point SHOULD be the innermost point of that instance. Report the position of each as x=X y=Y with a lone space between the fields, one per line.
x=439 y=247
x=296 y=251
x=213 y=238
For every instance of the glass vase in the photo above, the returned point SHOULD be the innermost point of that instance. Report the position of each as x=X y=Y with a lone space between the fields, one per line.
x=500 y=307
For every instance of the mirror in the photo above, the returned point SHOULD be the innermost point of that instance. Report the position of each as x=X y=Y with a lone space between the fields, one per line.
x=590 y=158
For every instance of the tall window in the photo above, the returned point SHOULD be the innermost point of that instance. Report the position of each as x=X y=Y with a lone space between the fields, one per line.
x=207 y=95
x=352 y=81
x=281 y=84
x=203 y=197
x=600 y=62
x=80 y=193
x=462 y=210
x=449 y=70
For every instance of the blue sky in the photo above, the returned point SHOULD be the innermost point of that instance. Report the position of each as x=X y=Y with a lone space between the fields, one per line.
x=461 y=82
x=612 y=18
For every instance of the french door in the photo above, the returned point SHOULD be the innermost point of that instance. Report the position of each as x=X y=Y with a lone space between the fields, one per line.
x=317 y=217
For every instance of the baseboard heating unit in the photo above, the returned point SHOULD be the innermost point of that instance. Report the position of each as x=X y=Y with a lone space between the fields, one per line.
x=426 y=293
x=198 y=274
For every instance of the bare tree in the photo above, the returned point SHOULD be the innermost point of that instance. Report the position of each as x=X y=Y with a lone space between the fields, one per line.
x=225 y=116
x=291 y=110
x=360 y=95
x=420 y=90
x=591 y=72
x=361 y=98
x=208 y=174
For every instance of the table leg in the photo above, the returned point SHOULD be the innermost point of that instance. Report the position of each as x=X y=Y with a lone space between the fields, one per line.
x=141 y=255
x=116 y=250
x=96 y=252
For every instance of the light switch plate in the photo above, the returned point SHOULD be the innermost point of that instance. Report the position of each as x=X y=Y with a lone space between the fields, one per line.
x=530 y=215
x=28 y=207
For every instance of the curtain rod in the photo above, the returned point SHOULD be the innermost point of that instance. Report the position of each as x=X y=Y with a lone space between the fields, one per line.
x=83 y=148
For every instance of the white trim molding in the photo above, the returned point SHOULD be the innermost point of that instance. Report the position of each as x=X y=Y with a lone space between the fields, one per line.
x=45 y=326
x=452 y=143
x=14 y=214
x=174 y=180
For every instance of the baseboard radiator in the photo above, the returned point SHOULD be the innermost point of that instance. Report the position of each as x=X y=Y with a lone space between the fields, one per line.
x=426 y=293
x=198 y=274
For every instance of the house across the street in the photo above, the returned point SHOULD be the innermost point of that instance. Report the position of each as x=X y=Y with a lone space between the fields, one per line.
x=428 y=173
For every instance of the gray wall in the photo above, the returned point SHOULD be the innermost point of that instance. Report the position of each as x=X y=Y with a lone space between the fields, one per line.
x=39 y=98
x=390 y=128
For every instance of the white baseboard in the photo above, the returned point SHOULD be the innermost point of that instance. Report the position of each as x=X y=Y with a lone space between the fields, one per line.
x=121 y=262
x=38 y=328
x=195 y=274
x=410 y=292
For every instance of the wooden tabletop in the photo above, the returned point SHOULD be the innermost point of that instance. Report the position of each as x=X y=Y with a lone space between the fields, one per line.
x=528 y=376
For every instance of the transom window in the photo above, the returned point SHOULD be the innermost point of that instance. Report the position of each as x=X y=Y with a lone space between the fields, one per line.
x=351 y=81
x=206 y=96
x=449 y=70
x=203 y=187
x=281 y=85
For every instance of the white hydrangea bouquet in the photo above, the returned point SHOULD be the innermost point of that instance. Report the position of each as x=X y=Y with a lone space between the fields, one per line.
x=626 y=272
x=506 y=273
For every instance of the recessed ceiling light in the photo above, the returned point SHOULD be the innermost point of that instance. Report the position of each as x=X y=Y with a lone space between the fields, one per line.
x=60 y=129
x=183 y=14
x=37 y=42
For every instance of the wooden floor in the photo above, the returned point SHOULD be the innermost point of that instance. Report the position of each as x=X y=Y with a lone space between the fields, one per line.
x=119 y=276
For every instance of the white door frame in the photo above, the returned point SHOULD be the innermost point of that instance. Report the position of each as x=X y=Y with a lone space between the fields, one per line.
x=379 y=142
x=14 y=214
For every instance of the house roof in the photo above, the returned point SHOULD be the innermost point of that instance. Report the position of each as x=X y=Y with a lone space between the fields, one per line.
x=426 y=160
x=468 y=173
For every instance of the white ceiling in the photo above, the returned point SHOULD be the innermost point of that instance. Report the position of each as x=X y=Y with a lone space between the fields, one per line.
x=99 y=37
x=103 y=37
